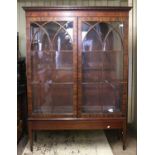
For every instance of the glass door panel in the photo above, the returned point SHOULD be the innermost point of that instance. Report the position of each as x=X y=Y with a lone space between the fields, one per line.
x=52 y=65
x=101 y=66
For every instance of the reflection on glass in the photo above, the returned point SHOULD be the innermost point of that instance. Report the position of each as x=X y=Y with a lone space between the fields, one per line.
x=102 y=36
x=52 y=64
x=102 y=59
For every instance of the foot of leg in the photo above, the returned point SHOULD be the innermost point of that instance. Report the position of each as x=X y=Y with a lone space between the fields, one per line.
x=124 y=147
x=124 y=136
x=31 y=139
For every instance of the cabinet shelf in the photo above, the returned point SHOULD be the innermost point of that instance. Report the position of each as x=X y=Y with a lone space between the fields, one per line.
x=54 y=109
x=100 y=51
x=51 y=51
x=53 y=69
x=63 y=69
x=100 y=109
x=98 y=69
x=51 y=83
x=98 y=82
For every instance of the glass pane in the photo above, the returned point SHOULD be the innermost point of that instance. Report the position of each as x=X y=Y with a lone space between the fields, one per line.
x=90 y=37
x=102 y=36
x=114 y=37
x=51 y=28
x=52 y=67
x=100 y=98
x=52 y=98
x=91 y=98
x=112 y=42
x=102 y=66
x=63 y=60
x=63 y=39
x=91 y=60
x=110 y=97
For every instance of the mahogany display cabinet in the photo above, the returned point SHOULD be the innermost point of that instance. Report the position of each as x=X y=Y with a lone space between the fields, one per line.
x=77 y=68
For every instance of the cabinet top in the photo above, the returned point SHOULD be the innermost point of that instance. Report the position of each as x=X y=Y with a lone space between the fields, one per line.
x=73 y=8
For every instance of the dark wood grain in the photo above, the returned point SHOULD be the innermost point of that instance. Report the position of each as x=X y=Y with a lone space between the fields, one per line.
x=76 y=125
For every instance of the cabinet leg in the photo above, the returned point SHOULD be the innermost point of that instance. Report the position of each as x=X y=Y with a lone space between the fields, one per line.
x=35 y=136
x=124 y=134
x=119 y=134
x=31 y=138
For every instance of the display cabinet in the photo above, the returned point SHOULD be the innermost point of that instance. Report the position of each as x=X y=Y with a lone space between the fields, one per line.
x=77 y=68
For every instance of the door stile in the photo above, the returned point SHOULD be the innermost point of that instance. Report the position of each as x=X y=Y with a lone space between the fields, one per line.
x=79 y=68
x=75 y=69
x=28 y=67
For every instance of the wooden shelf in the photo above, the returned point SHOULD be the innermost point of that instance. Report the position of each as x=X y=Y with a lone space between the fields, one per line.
x=52 y=51
x=54 y=109
x=97 y=69
x=99 y=109
x=99 y=51
x=52 y=83
x=102 y=82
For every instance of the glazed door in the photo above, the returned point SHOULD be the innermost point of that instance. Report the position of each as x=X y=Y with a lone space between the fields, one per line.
x=100 y=58
x=52 y=67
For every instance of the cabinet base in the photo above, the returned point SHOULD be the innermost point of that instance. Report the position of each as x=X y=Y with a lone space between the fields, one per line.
x=77 y=124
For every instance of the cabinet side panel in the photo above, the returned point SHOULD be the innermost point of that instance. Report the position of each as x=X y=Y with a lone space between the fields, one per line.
x=28 y=66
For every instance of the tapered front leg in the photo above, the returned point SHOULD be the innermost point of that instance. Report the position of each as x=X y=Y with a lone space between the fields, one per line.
x=31 y=138
x=119 y=134
x=124 y=134
x=35 y=136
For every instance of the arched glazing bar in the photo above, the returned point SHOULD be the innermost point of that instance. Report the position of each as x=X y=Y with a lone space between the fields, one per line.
x=41 y=28
x=102 y=40
x=117 y=32
x=60 y=28
x=51 y=41
x=92 y=27
x=57 y=32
